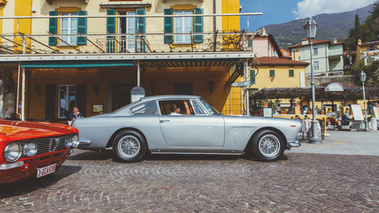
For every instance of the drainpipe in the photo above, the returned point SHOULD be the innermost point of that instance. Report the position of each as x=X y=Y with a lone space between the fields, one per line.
x=23 y=95
x=214 y=25
x=18 y=88
x=138 y=74
x=214 y=17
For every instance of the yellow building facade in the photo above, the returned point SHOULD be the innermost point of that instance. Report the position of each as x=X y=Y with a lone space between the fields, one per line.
x=118 y=51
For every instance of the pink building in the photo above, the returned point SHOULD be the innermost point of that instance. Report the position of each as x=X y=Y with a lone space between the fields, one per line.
x=264 y=45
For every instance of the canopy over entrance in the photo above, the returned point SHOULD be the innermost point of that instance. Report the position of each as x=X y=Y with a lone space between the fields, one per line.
x=349 y=93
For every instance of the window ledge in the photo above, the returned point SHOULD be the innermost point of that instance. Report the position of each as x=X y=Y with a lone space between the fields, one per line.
x=62 y=45
x=131 y=4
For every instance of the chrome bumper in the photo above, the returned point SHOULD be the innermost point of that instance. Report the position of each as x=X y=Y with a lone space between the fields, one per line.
x=295 y=143
x=84 y=142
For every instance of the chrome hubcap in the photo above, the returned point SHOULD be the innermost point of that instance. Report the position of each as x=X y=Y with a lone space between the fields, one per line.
x=269 y=145
x=129 y=146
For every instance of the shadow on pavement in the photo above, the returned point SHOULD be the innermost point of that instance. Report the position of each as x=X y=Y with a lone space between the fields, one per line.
x=33 y=184
x=91 y=155
x=108 y=154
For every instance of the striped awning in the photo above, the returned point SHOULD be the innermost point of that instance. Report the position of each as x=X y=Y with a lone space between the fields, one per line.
x=190 y=63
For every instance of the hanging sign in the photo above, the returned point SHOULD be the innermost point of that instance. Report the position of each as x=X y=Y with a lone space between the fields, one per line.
x=376 y=112
x=241 y=84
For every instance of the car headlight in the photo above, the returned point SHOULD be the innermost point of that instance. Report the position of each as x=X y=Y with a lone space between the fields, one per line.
x=30 y=149
x=68 y=143
x=12 y=152
x=75 y=141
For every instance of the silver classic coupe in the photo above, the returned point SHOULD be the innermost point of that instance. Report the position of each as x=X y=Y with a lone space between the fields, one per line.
x=183 y=124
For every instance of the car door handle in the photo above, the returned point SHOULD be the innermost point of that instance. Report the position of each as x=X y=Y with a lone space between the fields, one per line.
x=164 y=121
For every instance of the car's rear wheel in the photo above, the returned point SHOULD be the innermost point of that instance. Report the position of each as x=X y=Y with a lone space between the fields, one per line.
x=129 y=146
x=267 y=145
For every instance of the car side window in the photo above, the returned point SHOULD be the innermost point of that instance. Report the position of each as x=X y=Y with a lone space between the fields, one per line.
x=149 y=108
x=196 y=108
x=168 y=107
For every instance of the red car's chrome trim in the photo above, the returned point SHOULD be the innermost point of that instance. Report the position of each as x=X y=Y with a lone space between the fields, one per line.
x=11 y=165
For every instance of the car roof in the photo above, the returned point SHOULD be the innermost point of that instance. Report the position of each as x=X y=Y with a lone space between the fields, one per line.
x=159 y=97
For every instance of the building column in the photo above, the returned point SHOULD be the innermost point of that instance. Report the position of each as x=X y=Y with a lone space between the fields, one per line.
x=2 y=5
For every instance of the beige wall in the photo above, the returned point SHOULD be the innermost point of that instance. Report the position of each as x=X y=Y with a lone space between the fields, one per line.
x=98 y=25
x=282 y=79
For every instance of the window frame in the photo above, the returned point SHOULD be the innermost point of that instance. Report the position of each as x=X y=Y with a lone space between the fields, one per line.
x=127 y=27
x=315 y=50
x=67 y=108
x=272 y=73
x=314 y=65
x=69 y=29
x=291 y=72
x=183 y=26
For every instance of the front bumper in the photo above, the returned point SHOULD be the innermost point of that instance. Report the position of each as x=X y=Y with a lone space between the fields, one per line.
x=295 y=143
x=84 y=143
x=30 y=165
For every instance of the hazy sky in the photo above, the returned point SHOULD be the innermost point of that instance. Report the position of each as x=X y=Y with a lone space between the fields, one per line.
x=281 y=11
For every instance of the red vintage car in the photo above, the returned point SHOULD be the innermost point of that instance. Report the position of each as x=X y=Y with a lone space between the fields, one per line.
x=33 y=148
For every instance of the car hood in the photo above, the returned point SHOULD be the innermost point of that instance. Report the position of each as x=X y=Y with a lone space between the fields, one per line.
x=21 y=130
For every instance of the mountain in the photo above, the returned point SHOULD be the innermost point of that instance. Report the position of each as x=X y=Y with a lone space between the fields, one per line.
x=330 y=26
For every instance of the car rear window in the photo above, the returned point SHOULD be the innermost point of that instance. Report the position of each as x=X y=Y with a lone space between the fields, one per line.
x=149 y=108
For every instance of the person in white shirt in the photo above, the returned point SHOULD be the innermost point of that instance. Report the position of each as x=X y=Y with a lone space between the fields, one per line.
x=175 y=109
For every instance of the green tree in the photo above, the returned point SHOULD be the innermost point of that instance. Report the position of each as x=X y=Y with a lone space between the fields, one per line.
x=357 y=27
x=372 y=73
x=368 y=31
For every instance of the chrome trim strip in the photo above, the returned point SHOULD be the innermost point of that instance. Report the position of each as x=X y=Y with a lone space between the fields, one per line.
x=195 y=153
x=85 y=142
x=295 y=143
x=11 y=165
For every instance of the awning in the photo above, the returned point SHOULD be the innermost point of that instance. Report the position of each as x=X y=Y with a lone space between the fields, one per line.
x=190 y=63
x=132 y=4
x=75 y=64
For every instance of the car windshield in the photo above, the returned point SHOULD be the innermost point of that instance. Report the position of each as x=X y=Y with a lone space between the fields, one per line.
x=210 y=108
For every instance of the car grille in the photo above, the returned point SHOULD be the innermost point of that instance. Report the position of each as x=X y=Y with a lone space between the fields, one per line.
x=46 y=145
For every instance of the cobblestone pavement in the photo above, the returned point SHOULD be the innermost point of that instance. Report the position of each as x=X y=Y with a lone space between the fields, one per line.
x=93 y=182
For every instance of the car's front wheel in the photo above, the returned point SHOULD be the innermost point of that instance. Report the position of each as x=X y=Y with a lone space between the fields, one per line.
x=267 y=145
x=129 y=146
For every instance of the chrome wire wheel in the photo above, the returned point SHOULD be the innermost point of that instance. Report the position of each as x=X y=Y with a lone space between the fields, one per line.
x=269 y=145
x=129 y=146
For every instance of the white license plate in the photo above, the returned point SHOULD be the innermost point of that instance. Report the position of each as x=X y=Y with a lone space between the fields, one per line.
x=46 y=170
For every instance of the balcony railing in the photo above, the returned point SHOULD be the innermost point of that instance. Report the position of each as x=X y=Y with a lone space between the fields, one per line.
x=336 y=52
x=154 y=40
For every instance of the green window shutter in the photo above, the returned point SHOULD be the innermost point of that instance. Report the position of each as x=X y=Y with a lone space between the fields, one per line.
x=198 y=25
x=53 y=23
x=81 y=97
x=272 y=73
x=168 y=25
x=50 y=96
x=111 y=28
x=252 y=76
x=82 y=27
x=141 y=27
x=291 y=73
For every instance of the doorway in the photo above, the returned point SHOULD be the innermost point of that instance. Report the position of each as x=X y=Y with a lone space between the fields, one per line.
x=119 y=93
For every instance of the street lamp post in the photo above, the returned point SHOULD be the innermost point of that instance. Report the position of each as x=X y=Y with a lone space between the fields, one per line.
x=310 y=28
x=362 y=75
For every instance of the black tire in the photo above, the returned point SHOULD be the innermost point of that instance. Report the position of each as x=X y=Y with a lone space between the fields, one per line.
x=129 y=146
x=267 y=145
